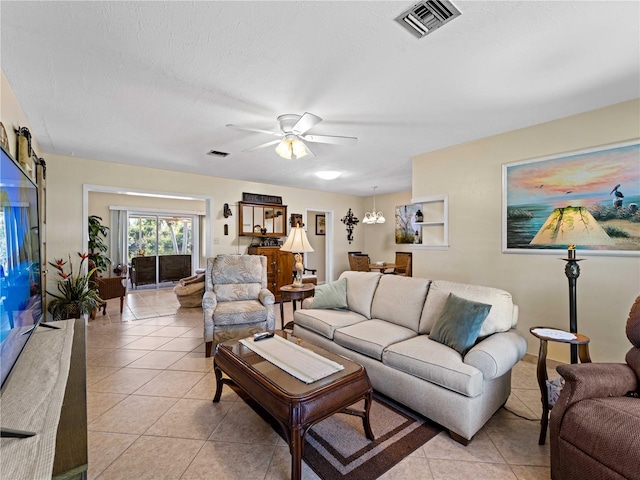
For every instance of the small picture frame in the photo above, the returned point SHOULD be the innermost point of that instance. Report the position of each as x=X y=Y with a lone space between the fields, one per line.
x=320 y=225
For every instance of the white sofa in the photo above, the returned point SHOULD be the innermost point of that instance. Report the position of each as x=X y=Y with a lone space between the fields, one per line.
x=386 y=328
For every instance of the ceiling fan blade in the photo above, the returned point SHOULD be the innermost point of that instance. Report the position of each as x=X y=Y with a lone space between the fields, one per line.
x=262 y=145
x=309 y=151
x=335 y=140
x=249 y=129
x=307 y=121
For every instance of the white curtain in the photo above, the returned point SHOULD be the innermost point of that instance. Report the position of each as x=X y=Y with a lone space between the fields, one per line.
x=118 y=240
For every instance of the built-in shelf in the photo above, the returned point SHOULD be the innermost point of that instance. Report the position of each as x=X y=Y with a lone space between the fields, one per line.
x=434 y=229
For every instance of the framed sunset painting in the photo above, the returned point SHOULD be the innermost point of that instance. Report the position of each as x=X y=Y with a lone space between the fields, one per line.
x=605 y=180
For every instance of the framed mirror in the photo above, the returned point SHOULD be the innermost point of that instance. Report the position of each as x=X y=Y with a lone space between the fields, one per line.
x=253 y=218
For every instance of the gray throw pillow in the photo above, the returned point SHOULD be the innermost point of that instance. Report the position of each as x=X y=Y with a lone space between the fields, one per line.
x=458 y=326
x=331 y=295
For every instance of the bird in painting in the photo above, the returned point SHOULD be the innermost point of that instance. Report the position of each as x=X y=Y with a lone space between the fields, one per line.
x=617 y=192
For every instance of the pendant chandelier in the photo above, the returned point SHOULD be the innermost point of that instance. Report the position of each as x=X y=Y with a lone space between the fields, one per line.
x=373 y=217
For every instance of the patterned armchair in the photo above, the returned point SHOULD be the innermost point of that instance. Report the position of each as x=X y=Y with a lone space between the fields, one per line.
x=236 y=300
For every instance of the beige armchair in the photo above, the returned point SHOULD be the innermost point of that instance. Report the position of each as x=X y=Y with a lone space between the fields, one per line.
x=236 y=301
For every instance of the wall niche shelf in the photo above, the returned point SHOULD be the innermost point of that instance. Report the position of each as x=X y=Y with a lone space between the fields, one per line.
x=434 y=229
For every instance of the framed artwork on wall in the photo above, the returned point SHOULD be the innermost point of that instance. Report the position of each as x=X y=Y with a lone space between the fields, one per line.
x=320 y=225
x=602 y=183
x=407 y=228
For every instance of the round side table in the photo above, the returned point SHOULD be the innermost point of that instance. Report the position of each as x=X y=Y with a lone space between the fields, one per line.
x=545 y=335
x=294 y=293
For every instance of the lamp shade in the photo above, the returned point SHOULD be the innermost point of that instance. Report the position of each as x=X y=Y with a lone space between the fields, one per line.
x=571 y=226
x=297 y=241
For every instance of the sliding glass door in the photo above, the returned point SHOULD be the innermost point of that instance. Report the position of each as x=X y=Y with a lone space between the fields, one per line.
x=161 y=247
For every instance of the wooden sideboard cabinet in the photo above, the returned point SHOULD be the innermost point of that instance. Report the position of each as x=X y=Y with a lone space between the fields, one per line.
x=279 y=267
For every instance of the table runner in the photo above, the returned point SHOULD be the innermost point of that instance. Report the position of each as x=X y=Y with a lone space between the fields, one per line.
x=305 y=365
x=32 y=401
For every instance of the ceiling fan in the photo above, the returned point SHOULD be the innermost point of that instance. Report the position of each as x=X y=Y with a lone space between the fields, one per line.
x=292 y=135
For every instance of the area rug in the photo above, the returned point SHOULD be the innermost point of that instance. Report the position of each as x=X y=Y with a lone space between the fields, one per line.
x=337 y=448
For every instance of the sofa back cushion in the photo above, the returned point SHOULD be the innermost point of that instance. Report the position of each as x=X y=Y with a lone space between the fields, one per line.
x=400 y=300
x=361 y=286
x=500 y=318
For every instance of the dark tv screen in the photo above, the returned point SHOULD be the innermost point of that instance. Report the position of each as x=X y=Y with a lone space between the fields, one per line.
x=20 y=270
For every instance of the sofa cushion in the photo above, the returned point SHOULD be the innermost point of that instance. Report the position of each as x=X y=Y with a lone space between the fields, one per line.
x=435 y=363
x=325 y=322
x=246 y=311
x=361 y=287
x=459 y=323
x=331 y=295
x=371 y=337
x=233 y=292
x=500 y=319
x=400 y=300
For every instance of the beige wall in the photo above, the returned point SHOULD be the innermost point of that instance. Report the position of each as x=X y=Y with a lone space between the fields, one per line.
x=471 y=175
x=316 y=259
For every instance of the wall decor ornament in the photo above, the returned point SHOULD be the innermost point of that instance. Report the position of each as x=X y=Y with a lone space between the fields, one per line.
x=406 y=222
x=320 y=225
x=350 y=220
x=603 y=182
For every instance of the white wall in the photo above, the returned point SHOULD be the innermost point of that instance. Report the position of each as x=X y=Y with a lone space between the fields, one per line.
x=471 y=175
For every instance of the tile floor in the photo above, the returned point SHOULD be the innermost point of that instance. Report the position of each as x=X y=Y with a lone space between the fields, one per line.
x=151 y=416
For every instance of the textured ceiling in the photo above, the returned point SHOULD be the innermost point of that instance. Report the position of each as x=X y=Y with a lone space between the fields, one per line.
x=155 y=83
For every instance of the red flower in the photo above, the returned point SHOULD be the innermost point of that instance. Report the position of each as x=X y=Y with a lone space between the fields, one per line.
x=64 y=275
x=83 y=256
x=60 y=263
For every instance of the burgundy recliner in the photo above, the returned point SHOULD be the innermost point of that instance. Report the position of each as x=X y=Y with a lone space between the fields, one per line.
x=594 y=427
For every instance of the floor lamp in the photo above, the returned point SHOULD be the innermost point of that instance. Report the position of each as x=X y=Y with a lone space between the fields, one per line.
x=571 y=226
x=297 y=243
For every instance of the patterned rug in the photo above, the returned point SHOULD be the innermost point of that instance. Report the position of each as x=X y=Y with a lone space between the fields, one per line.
x=337 y=448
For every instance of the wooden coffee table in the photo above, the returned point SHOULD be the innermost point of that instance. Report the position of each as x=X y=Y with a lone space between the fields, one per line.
x=295 y=405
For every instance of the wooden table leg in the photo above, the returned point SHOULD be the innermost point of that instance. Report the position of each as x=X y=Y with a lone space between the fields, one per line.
x=296 y=453
x=583 y=353
x=542 y=383
x=282 y=309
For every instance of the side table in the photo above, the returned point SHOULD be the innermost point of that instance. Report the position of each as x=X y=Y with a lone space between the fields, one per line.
x=545 y=335
x=294 y=293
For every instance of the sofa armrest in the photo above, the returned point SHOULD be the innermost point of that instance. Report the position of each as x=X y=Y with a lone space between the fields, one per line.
x=266 y=297
x=594 y=380
x=209 y=302
x=497 y=354
x=307 y=303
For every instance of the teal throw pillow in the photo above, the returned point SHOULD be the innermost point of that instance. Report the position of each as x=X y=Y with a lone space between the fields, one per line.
x=331 y=295
x=459 y=323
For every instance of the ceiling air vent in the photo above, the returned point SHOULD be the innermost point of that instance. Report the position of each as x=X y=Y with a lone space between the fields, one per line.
x=425 y=17
x=217 y=153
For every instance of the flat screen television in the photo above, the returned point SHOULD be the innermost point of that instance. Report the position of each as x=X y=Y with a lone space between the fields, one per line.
x=21 y=291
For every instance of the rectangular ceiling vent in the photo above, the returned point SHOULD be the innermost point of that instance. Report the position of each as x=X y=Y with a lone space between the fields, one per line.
x=217 y=153
x=425 y=17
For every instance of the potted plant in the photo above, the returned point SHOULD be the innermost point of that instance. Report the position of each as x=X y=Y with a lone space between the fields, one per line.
x=97 y=245
x=75 y=296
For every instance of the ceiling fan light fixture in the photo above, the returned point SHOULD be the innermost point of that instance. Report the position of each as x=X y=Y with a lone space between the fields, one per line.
x=291 y=147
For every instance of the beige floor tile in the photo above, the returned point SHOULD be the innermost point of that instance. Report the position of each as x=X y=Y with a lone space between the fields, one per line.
x=456 y=470
x=95 y=374
x=480 y=449
x=170 y=331
x=525 y=472
x=110 y=341
x=117 y=358
x=531 y=399
x=125 y=380
x=148 y=343
x=95 y=353
x=205 y=389
x=171 y=384
x=100 y=327
x=190 y=418
x=200 y=349
x=193 y=362
x=154 y=458
x=194 y=332
x=143 y=329
x=100 y=402
x=104 y=448
x=181 y=344
x=189 y=322
x=244 y=425
x=162 y=321
x=157 y=359
x=135 y=414
x=280 y=466
x=411 y=468
x=230 y=461
x=517 y=442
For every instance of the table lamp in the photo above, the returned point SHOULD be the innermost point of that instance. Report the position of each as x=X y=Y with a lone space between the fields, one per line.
x=297 y=243
x=571 y=226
